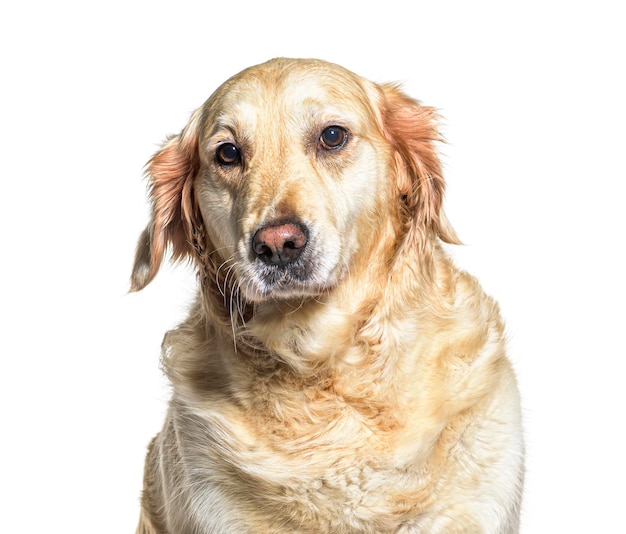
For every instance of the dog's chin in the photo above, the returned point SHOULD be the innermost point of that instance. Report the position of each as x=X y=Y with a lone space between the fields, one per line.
x=265 y=283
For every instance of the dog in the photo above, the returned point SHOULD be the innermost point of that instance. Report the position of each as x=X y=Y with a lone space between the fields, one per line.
x=337 y=372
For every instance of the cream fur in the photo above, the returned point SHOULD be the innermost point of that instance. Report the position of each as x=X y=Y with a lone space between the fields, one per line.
x=362 y=389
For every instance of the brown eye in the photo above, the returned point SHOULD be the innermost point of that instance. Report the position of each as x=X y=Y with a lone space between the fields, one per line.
x=333 y=138
x=228 y=154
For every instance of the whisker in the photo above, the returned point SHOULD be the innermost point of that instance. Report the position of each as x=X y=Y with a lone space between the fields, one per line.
x=217 y=273
x=240 y=305
x=233 y=321
x=228 y=274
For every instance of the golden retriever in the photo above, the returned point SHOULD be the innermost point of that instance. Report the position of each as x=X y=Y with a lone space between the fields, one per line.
x=337 y=373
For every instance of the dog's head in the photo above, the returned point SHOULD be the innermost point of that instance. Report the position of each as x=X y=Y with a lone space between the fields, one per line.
x=291 y=173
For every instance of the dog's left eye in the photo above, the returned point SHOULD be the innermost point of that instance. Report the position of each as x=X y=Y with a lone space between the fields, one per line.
x=333 y=138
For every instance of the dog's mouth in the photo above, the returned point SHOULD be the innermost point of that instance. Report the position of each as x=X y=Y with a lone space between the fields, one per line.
x=283 y=281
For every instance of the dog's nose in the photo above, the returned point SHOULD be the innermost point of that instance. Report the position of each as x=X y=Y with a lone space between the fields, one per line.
x=279 y=244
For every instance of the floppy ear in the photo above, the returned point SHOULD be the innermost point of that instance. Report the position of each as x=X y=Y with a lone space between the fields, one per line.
x=412 y=130
x=171 y=172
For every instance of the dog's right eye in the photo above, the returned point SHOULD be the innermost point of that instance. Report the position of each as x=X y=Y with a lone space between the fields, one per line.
x=228 y=154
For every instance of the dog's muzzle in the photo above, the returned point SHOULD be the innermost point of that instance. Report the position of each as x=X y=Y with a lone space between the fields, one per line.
x=282 y=258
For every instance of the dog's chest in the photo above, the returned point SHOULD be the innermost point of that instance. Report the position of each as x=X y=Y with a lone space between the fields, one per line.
x=314 y=475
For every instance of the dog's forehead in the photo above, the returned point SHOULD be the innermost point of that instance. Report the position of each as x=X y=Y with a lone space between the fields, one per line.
x=290 y=87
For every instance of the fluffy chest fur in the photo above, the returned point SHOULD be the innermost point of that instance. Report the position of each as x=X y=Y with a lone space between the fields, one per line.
x=373 y=437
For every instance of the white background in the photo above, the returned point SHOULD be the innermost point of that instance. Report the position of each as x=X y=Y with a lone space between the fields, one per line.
x=533 y=99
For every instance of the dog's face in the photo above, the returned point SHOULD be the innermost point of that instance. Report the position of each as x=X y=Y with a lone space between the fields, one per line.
x=294 y=169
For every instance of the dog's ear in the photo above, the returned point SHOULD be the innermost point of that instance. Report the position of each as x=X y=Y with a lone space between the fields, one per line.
x=170 y=172
x=412 y=130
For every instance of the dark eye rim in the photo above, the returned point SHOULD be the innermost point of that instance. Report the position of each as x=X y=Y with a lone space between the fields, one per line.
x=343 y=138
x=223 y=159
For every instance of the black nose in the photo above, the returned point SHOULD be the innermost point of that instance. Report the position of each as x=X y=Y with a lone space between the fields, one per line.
x=279 y=244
